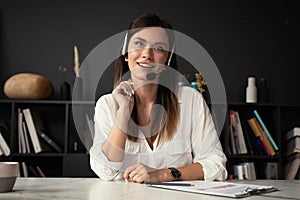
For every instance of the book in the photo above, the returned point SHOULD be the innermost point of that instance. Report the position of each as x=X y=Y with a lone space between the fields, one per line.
x=292 y=166
x=292 y=151
x=232 y=140
x=21 y=137
x=234 y=132
x=24 y=169
x=217 y=188
x=252 y=140
x=33 y=171
x=257 y=130
x=90 y=124
x=293 y=143
x=40 y=171
x=263 y=147
x=240 y=134
x=4 y=138
x=26 y=138
x=49 y=141
x=258 y=138
x=32 y=131
x=3 y=146
x=265 y=138
x=266 y=130
x=292 y=133
x=40 y=129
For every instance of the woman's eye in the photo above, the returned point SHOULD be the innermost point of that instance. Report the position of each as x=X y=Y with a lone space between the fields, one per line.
x=159 y=48
x=139 y=44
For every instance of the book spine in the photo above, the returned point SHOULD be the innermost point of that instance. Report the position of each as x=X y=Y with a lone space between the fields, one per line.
x=232 y=124
x=3 y=146
x=258 y=136
x=292 y=133
x=293 y=143
x=262 y=146
x=26 y=138
x=24 y=169
x=264 y=138
x=266 y=130
x=21 y=133
x=41 y=173
x=232 y=140
x=49 y=141
x=240 y=134
x=32 y=130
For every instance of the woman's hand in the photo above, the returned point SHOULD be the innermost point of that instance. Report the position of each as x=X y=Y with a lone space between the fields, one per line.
x=140 y=173
x=123 y=93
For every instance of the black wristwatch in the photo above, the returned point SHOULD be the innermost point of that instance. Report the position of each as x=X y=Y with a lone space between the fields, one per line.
x=175 y=173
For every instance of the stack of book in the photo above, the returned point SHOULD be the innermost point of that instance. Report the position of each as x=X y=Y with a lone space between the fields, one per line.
x=251 y=138
x=292 y=153
x=31 y=134
x=30 y=170
x=262 y=135
x=238 y=144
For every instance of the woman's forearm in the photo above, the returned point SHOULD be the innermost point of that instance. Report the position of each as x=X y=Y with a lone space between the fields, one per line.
x=193 y=171
x=114 y=145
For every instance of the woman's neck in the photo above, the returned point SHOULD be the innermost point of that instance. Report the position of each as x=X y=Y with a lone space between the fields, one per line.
x=146 y=94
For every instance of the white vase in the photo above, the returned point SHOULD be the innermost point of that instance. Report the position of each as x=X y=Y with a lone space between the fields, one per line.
x=251 y=91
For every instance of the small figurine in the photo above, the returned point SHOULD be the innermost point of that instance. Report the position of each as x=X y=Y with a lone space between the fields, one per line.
x=200 y=82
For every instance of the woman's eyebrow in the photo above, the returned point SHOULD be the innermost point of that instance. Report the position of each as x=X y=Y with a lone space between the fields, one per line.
x=139 y=38
x=156 y=43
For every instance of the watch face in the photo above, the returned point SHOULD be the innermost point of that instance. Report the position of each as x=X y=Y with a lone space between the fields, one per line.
x=175 y=173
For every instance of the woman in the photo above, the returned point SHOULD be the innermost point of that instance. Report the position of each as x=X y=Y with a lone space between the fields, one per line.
x=148 y=129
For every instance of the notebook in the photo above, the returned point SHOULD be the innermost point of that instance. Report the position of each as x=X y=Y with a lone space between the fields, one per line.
x=224 y=189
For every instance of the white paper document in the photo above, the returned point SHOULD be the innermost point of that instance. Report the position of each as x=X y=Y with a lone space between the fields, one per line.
x=225 y=189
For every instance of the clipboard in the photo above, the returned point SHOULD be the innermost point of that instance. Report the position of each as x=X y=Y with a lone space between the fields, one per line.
x=217 y=188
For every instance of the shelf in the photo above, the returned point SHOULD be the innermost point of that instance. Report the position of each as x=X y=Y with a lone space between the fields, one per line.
x=56 y=117
x=254 y=157
x=59 y=123
x=38 y=155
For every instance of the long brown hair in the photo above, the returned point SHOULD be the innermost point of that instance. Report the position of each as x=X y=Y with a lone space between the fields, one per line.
x=165 y=95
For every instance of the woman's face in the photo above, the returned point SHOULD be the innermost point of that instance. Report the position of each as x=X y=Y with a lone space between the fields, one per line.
x=148 y=51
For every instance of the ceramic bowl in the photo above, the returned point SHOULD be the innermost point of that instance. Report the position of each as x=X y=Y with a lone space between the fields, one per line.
x=8 y=175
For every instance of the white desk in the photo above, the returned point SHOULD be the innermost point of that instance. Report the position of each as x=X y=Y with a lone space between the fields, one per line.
x=95 y=189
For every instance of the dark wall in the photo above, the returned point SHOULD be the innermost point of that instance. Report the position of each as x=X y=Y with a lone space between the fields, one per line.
x=259 y=38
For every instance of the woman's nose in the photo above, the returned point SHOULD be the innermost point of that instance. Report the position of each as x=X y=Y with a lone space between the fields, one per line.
x=147 y=53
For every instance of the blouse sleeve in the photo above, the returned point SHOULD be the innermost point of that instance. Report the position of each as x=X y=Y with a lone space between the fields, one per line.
x=206 y=146
x=104 y=120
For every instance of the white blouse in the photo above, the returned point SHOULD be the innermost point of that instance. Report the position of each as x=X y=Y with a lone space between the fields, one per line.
x=196 y=140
